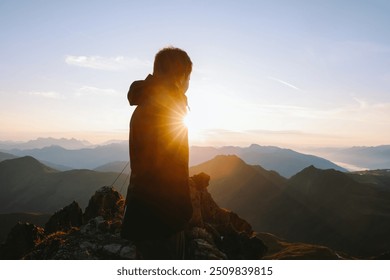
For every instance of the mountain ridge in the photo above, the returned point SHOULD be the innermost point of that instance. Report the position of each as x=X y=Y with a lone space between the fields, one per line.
x=42 y=142
x=212 y=233
x=26 y=181
x=326 y=207
x=362 y=157
x=285 y=161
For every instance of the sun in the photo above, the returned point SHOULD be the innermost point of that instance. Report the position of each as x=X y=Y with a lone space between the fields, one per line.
x=194 y=126
x=194 y=122
x=187 y=120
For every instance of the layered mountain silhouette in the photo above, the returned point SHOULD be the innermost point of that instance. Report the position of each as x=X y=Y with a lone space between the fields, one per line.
x=39 y=143
x=116 y=166
x=347 y=212
x=237 y=185
x=361 y=158
x=4 y=156
x=87 y=158
x=7 y=221
x=212 y=233
x=106 y=157
x=285 y=161
x=325 y=207
x=379 y=177
x=30 y=186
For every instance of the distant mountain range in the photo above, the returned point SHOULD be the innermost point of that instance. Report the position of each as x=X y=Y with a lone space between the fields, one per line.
x=316 y=206
x=86 y=158
x=39 y=143
x=4 y=156
x=285 y=161
x=66 y=154
x=357 y=158
x=353 y=159
x=111 y=157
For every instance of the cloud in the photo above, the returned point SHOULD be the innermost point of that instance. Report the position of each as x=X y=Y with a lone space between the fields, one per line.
x=94 y=91
x=118 y=63
x=47 y=94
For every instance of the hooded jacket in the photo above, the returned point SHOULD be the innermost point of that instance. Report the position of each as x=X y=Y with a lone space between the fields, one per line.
x=158 y=196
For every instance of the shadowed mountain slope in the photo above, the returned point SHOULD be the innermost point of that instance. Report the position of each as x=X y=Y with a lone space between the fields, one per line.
x=237 y=185
x=7 y=221
x=213 y=233
x=30 y=186
x=316 y=206
x=4 y=156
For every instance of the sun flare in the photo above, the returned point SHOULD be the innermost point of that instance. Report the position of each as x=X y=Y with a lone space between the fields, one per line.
x=194 y=126
x=186 y=121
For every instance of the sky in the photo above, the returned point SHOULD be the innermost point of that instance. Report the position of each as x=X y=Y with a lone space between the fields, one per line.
x=283 y=73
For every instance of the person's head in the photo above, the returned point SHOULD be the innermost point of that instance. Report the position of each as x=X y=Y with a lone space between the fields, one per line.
x=173 y=65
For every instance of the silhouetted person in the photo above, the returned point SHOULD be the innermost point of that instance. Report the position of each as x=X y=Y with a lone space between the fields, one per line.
x=158 y=200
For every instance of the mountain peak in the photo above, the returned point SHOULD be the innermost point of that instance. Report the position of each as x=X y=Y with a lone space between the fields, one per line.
x=220 y=165
x=311 y=171
x=232 y=158
x=25 y=164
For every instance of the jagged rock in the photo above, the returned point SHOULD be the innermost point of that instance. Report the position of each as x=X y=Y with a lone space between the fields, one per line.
x=97 y=238
x=202 y=250
x=201 y=180
x=230 y=234
x=205 y=210
x=213 y=233
x=242 y=246
x=222 y=219
x=77 y=246
x=196 y=200
x=65 y=219
x=99 y=224
x=106 y=202
x=93 y=241
x=21 y=239
x=202 y=245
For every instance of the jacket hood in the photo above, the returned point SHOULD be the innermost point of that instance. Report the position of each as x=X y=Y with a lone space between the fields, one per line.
x=138 y=91
x=142 y=91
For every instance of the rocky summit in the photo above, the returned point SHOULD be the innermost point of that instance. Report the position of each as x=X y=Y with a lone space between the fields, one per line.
x=212 y=233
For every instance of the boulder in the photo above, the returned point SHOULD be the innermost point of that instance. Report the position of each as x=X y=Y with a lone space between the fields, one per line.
x=106 y=202
x=65 y=219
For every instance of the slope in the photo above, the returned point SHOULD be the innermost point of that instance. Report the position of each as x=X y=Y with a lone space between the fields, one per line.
x=315 y=206
x=26 y=185
x=7 y=221
x=237 y=185
x=334 y=210
x=4 y=156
